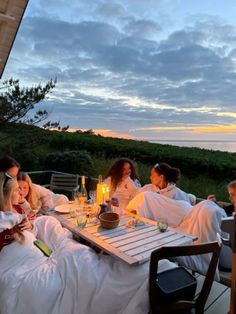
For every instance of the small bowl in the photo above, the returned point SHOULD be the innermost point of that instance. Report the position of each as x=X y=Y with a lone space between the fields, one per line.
x=109 y=220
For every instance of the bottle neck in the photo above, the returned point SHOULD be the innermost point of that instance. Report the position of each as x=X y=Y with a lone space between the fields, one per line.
x=83 y=180
x=100 y=178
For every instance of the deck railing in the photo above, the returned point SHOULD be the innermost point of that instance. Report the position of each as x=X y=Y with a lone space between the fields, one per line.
x=43 y=178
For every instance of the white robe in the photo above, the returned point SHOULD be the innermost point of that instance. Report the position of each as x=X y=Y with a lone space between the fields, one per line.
x=48 y=199
x=124 y=192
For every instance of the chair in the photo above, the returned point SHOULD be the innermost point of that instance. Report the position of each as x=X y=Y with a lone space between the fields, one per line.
x=64 y=182
x=183 y=305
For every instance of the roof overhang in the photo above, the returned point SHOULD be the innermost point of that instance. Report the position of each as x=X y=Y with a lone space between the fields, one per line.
x=11 y=13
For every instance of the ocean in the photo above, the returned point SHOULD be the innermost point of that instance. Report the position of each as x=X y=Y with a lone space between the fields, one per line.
x=227 y=146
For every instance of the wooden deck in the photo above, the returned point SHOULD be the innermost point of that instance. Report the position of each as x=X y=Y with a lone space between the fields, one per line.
x=219 y=298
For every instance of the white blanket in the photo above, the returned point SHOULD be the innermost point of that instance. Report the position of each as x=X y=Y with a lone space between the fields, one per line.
x=153 y=206
x=74 y=279
x=202 y=220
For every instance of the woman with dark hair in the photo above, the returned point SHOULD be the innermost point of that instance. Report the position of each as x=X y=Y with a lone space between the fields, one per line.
x=9 y=165
x=163 y=181
x=122 y=181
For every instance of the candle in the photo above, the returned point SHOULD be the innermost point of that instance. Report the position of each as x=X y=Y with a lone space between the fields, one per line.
x=103 y=194
x=107 y=193
x=101 y=190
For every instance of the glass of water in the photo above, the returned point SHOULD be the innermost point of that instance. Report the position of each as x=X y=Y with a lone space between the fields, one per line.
x=162 y=224
x=82 y=220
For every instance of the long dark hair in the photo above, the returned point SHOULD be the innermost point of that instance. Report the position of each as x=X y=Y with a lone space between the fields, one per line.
x=7 y=162
x=170 y=174
x=115 y=172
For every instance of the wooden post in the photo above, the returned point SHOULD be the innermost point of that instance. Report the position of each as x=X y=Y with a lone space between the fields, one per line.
x=233 y=277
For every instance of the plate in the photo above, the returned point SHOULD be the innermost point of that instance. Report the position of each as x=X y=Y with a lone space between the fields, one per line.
x=65 y=208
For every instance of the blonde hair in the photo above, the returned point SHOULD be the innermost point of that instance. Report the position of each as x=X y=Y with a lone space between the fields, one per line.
x=6 y=190
x=32 y=196
x=232 y=185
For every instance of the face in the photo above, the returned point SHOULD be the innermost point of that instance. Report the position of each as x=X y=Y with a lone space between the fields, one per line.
x=232 y=195
x=157 y=179
x=15 y=193
x=126 y=171
x=13 y=171
x=24 y=188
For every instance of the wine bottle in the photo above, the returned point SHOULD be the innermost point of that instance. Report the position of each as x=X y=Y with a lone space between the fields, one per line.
x=83 y=195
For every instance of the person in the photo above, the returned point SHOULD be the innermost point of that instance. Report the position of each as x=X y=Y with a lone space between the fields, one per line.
x=71 y=278
x=9 y=198
x=232 y=192
x=226 y=254
x=9 y=165
x=202 y=220
x=163 y=181
x=37 y=197
x=122 y=181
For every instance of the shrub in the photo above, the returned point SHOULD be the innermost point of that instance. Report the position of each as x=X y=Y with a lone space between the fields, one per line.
x=77 y=162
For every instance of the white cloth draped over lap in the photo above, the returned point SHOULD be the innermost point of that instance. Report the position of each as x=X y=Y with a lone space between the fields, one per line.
x=74 y=279
x=202 y=220
x=154 y=206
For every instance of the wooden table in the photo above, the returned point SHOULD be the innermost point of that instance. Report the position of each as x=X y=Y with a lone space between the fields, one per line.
x=132 y=245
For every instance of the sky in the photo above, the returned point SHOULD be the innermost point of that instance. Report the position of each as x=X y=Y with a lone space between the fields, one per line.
x=156 y=70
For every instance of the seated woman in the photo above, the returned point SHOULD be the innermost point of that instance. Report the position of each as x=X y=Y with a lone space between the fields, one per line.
x=9 y=165
x=226 y=256
x=163 y=181
x=37 y=197
x=202 y=220
x=73 y=279
x=122 y=181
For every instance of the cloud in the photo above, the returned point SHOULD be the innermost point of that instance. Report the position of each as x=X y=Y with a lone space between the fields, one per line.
x=118 y=66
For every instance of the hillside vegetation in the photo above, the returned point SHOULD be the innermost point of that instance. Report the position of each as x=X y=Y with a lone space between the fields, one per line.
x=203 y=171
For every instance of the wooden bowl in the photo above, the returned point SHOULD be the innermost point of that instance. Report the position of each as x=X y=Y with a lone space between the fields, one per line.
x=109 y=220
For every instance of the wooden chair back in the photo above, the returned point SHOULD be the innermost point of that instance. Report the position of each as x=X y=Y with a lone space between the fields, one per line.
x=64 y=182
x=170 y=252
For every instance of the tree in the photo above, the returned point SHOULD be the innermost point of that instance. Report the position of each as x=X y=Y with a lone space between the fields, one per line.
x=18 y=131
x=16 y=102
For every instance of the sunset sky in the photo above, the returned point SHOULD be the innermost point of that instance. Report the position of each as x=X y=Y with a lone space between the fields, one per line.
x=152 y=70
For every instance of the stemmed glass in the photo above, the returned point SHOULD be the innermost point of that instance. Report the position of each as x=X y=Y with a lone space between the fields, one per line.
x=92 y=196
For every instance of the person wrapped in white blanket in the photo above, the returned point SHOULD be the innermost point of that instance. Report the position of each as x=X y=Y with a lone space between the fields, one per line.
x=37 y=197
x=122 y=182
x=73 y=279
x=162 y=199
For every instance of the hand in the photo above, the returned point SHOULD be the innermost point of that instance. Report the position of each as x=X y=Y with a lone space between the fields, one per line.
x=25 y=225
x=211 y=197
x=31 y=215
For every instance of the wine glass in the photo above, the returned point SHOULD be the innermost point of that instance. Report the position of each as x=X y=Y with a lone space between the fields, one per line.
x=92 y=196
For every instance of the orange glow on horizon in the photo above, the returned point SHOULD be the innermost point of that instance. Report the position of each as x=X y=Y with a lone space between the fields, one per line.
x=193 y=129
x=106 y=133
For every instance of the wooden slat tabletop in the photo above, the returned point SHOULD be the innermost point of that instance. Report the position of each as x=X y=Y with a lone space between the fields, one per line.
x=132 y=245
